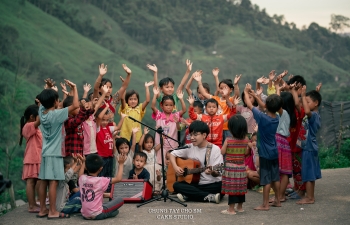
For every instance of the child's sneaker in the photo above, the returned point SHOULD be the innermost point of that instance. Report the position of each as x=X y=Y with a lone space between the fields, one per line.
x=181 y=197
x=213 y=198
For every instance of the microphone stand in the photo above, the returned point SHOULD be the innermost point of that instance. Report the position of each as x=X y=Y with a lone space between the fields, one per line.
x=164 y=193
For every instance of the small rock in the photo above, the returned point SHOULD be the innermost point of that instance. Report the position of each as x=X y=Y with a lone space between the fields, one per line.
x=301 y=208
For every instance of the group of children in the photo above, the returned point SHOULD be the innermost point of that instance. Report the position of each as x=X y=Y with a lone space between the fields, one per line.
x=76 y=151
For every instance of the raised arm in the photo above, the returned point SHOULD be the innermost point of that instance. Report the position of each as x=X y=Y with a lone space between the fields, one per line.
x=235 y=82
x=305 y=105
x=133 y=145
x=101 y=98
x=247 y=90
x=125 y=84
x=185 y=77
x=188 y=86
x=223 y=148
x=180 y=95
x=103 y=71
x=118 y=176
x=198 y=77
x=87 y=88
x=155 y=75
x=120 y=124
x=122 y=100
x=191 y=112
x=75 y=103
x=145 y=131
x=154 y=100
x=215 y=72
x=148 y=95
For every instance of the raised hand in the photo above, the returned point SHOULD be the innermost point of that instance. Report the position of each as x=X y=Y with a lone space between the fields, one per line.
x=103 y=69
x=49 y=82
x=225 y=91
x=126 y=69
x=248 y=87
x=265 y=80
x=121 y=158
x=70 y=84
x=237 y=100
x=105 y=88
x=215 y=71
x=189 y=64
x=147 y=84
x=135 y=130
x=197 y=76
x=290 y=76
x=65 y=92
x=284 y=73
x=155 y=90
x=272 y=75
x=260 y=80
x=180 y=94
x=63 y=86
x=87 y=87
x=303 y=91
x=185 y=122
x=190 y=99
x=237 y=78
x=145 y=130
x=122 y=115
x=259 y=91
x=116 y=134
x=318 y=87
x=152 y=67
x=54 y=88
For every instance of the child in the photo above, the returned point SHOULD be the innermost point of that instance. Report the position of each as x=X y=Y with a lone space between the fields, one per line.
x=252 y=162
x=214 y=121
x=147 y=146
x=63 y=204
x=311 y=170
x=74 y=139
x=111 y=100
x=234 y=178
x=166 y=85
x=32 y=155
x=131 y=107
x=197 y=109
x=123 y=148
x=92 y=188
x=166 y=120
x=139 y=172
x=223 y=108
x=268 y=123
x=51 y=169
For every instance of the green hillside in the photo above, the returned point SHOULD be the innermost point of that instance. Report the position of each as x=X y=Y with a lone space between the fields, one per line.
x=69 y=39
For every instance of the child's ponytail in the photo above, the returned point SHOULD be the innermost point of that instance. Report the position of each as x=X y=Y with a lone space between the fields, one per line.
x=21 y=136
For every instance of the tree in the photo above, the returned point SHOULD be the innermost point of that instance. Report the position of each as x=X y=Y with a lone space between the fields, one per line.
x=339 y=22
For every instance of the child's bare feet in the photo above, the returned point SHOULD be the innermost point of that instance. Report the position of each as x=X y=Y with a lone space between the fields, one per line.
x=276 y=204
x=240 y=210
x=306 y=200
x=262 y=208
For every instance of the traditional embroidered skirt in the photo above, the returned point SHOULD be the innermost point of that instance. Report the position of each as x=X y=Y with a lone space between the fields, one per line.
x=284 y=155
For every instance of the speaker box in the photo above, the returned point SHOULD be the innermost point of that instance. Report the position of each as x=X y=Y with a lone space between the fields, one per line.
x=137 y=190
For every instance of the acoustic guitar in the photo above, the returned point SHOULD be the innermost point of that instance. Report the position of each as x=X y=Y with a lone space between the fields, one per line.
x=191 y=173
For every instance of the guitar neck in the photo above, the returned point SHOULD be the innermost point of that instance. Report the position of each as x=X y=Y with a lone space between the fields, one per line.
x=195 y=170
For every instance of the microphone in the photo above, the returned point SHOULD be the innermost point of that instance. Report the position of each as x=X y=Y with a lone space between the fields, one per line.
x=133 y=119
x=182 y=147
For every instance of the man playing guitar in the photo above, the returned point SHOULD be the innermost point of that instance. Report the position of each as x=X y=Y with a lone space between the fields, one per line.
x=209 y=186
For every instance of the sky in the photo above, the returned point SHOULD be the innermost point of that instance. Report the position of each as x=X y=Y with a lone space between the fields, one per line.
x=304 y=12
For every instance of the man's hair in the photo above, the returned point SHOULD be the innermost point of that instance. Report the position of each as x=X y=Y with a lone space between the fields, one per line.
x=297 y=79
x=93 y=163
x=274 y=103
x=211 y=100
x=198 y=104
x=48 y=97
x=141 y=154
x=199 y=126
x=315 y=96
x=68 y=101
x=206 y=87
x=166 y=81
x=238 y=126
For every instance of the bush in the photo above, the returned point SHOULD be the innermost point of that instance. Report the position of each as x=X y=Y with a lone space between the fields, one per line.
x=330 y=158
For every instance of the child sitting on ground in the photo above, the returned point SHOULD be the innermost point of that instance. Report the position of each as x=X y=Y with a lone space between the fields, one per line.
x=139 y=172
x=92 y=188
x=63 y=204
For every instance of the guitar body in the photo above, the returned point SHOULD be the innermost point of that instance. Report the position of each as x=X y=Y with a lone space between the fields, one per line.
x=185 y=164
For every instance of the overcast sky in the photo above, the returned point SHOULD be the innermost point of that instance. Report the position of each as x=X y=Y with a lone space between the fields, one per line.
x=304 y=12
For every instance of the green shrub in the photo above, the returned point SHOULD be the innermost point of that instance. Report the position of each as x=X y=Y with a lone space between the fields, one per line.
x=330 y=158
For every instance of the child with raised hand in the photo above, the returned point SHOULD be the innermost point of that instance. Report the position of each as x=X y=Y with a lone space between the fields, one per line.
x=132 y=107
x=166 y=85
x=111 y=100
x=139 y=172
x=32 y=154
x=123 y=148
x=51 y=169
x=147 y=146
x=93 y=187
x=198 y=108
x=223 y=107
x=86 y=88
x=234 y=177
x=72 y=166
x=311 y=170
x=166 y=120
x=267 y=147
